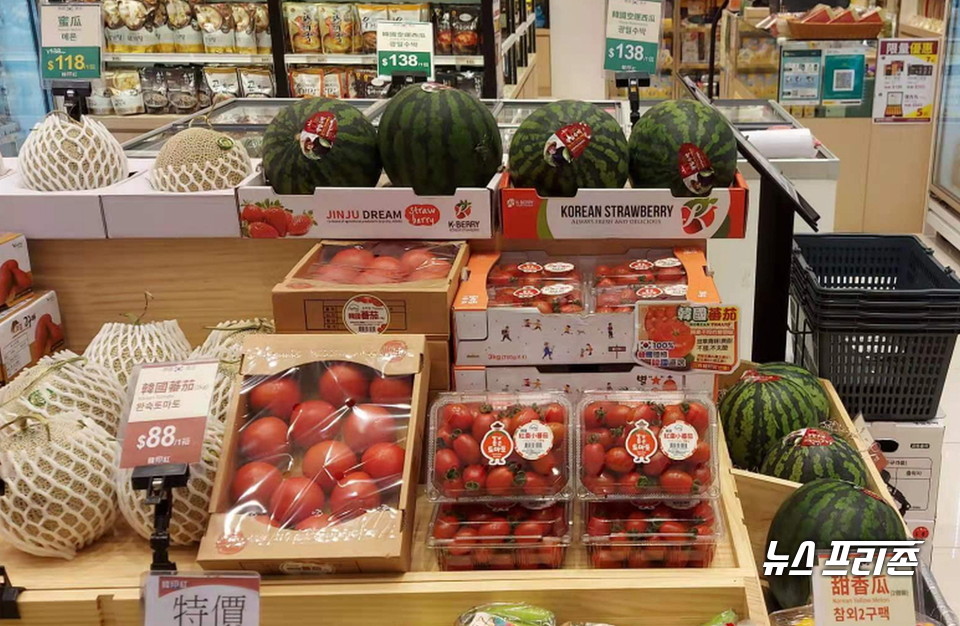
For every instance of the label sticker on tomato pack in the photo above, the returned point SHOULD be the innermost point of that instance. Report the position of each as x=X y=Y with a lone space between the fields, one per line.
x=641 y=265
x=533 y=440
x=695 y=169
x=641 y=443
x=366 y=314
x=529 y=267
x=670 y=261
x=649 y=292
x=814 y=437
x=559 y=267
x=557 y=290
x=678 y=440
x=526 y=292
x=676 y=291
x=496 y=445
x=318 y=135
x=567 y=144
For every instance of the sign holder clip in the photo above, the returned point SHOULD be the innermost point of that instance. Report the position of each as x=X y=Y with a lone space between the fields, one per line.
x=159 y=482
x=633 y=81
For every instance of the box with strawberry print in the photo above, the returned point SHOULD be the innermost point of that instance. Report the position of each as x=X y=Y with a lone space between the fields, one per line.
x=320 y=455
x=470 y=536
x=531 y=280
x=643 y=445
x=644 y=534
x=489 y=447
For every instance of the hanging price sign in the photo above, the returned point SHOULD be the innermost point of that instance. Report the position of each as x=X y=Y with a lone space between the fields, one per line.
x=633 y=35
x=71 y=37
x=404 y=47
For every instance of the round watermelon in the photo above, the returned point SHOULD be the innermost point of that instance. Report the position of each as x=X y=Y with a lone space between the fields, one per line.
x=685 y=146
x=823 y=511
x=566 y=145
x=320 y=142
x=803 y=377
x=810 y=453
x=435 y=139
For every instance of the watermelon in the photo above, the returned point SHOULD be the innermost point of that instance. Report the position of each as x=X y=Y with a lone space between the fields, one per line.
x=759 y=411
x=810 y=453
x=320 y=142
x=802 y=376
x=435 y=139
x=823 y=511
x=683 y=145
x=566 y=145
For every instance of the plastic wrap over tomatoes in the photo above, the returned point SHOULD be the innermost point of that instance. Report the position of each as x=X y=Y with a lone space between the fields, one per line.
x=548 y=285
x=383 y=262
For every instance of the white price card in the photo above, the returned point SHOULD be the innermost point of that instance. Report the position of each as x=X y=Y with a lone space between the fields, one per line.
x=633 y=35
x=404 y=47
x=71 y=37
x=850 y=598
x=201 y=599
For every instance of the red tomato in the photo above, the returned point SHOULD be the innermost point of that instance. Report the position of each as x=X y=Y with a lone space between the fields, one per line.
x=637 y=559
x=376 y=277
x=603 y=484
x=701 y=454
x=340 y=274
x=276 y=396
x=674 y=530
x=314 y=421
x=481 y=425
x=467 y=449
x=678 y=333
x=605 y=558
x=545 y=465
x=617 y=416
x=648 y=412
x=598 y=526
x=327 y=462
x=677 y=481
x=602 y=271
x=499 y=277
x=603 y=436
x=384 y=462
x=594 y=413
x=534 y=484
x=457 y=416
x=657 y=463
x=501 y=481
x=265 y=439
x=389 y=266
x=698 y=416
x=677 y=557
x=670 y=274
x=702 y=513
x=295 y=499
x=432 y=270
x=463 y=541
x=553 y=519
x=453 y=486
x=636 y=524
x=656 y=550
x=618 y=460
x=367 y=424
x=554 y=413
x=446 y=526
x=592 y=459
x=416 y=258
x=632 y=483
x=391 y=389
x=315 y=522
x=446 y=464
x=255 y=482
x=702 y=476
x=353 y=493
x=671 y=414
x=551 y=556
x=559 y=433
x=475 y=478
x=494 y=530
x=444 y=437
x=528 y=532
x=352 y=257
x=525 y=416
x=343 y=381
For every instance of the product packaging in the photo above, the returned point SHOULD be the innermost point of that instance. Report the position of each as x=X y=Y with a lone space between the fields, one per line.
x=321 y=456
x=98 y=102
x=222 y=82
x=306 y=82
x=246 y=28
x=261 y=22
x=549 y=285
x=187 y=36
x=369 y=84
x=302 y=26
x=29 y=331
x=113 y=27
x=125 y=92
x=218 y=27
x=370 y=15
x=161 y=32
x=153 y=82
x=336 y=82
x=413 y=12
x=339 y=28
x=136 y=15
x=257 y=82
x=16 y=277
x=182 y=89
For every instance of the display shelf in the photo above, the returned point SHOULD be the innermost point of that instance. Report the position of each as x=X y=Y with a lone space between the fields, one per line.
x=514 y=37
x=147 y=58
x=919 y=32
x=371 y=59
x=511 y=92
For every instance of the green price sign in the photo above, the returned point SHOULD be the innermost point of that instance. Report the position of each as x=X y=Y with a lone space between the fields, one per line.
x=405 y=47
x=69 y=63
x=71 y=36
x=391 y=62
x=633 y=35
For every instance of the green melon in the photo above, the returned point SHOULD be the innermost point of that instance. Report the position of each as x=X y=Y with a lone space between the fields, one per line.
x=435 y=139
x=685 y=146
x=824 y=511
x=320 y=142
x=810 y=453
x=803 y=377
x=589 y=149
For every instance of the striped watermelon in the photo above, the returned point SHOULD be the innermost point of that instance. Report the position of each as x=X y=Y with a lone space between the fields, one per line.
x=566 y=145
x=435 y=139
x=320 y=142
x=823 y=511
x=802 y=376
x=759 y=411
x=683 y=145
x=810 y=453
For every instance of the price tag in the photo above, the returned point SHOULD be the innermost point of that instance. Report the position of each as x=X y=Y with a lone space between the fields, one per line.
x=404 y=47
x=167 y=415
x=71 y=37
x=207 y=598
x=633 y=35
x=850 y=599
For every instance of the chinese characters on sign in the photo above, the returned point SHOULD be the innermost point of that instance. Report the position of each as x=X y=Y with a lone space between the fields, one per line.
x=882 y=594
x=633 y=35
x=404 y=47
x=906 y=80
x=688 y=337
x=202 y=599
x=70 y=41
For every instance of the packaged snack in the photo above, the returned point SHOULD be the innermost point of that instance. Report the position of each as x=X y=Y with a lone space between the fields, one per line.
x=245 y=28
x=153 y=85
x=257 y=82
x=442 y=29
x=136 y=14
x=204 y=95
x=636 y=445
x=303 y=26
x=306 y=82
x=383 y=262
x=419 y=12
x=125 y=93
x=549 y=285
x=187 y=36
x=182 y=89
x=223 y=83
x=370 y=15
x=339 y=30
x=163 y=40
x=99 y=99
x=216 y=23
x=368 y=84
x=261 y=21
x=465 y=26
x=113 y=27
x=516 y=613
x=336 y=82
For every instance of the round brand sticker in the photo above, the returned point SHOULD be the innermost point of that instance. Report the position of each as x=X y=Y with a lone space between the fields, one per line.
x=533 y=440
x=366 y=314
x=530 y=267
x=669 y=261
x=496 y=445
x=641 y=443
x=558 y=289
x=649 y=292
x=559 y=267
x=567 y=144
x=676 y=291
x=678 y=440
x=695 y=169
x=641 y=265
x=318 y=135
x=526 y=292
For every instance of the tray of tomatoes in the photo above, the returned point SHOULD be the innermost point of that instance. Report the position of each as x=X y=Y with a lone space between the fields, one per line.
x=618 y=284
x=469 y=536
x=641 y=534
x=646 y=445
x=382 y=262
x=320 y=444
x=549 y=285
x=500 y=447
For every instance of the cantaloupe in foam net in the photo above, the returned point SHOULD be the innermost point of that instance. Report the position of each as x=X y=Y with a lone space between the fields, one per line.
x=200 y=159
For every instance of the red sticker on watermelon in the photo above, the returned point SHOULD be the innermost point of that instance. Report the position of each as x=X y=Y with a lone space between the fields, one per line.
x=753 y=376
x=695 y=169
x=813 y=437
x=318 y=135
x=567 y=144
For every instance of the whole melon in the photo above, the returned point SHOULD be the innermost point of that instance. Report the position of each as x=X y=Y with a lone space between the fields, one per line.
x=566 y=145
x=435 y=139
x=61 y=154
x=803 y=377
x=810 y=453
x=200 y=159
x=823 y=511
x=320 y=142
x=685 y=146
x=119 y=346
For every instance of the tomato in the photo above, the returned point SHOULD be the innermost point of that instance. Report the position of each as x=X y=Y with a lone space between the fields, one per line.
x=620 y=436
x=315 y=522
x=657 y=463
x=554 y=413
x=617 y=416
x=677 y=481
x=702 y=513
x=354 y=493
x=647 y=412
x=444 y=437
x=632 y=483
x=618 y=460
x=525 y=416
x=391 y=389
x=494 y=530
x=670 y=274
x=265 y=439
x=335 y=274
x=276 y=396
x=452 y=487
x=352 y=257
x=637 y=559
x=594 y=413
x=327 y=462
x=367 y=424
x=415 y=258
x=501 y=560
x=674 y=530
x=295 y=499
x=671 y=414
x=678 y=333
x=701 y=454
x=552 y=518
x=551 y=555
x=341 y=382
x=670 y=385
x=662 y=512
x=384 y=461
x=592 y=459
x=598 y=526
x=636 y=524
x=501 y=481
x=656 y=550
x=559 y=431
x=657 y=315
x=677 y=557
x=445 y=526
x=534 y=484
x=463 y=541
x=457 y=416
x=499 y=277
x=702 y=476
x=314 y=421
x=603 y=436
x=545 y=465
x=604 y=484
x=446 y=464
x=475 y=478
x=255 y=482
x=482 y=424
x=698 y=416
x=528 y=532
x=605 y=558
x=467 y=449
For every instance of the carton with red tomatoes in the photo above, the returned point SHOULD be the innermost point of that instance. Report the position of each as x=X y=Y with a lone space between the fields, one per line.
x=643 y=445
x=321 y=456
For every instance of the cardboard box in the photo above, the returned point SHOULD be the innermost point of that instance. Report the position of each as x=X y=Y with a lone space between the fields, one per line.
x=913 y=453
x=377 y=540
x=29 y=331
x=924 y=530
x=439 y=351
x=385 y=212
x=16 y=277
x=624 y=214
x=302 y=304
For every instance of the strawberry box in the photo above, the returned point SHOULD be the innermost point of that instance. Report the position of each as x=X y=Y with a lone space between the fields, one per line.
x=16 y=277
x=29 y=331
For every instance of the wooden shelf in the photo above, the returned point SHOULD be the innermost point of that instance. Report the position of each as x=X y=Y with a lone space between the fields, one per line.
x=510 y=91
x=147 y=58
x=371 y=59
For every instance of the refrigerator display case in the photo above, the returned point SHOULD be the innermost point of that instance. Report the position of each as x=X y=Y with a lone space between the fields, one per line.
x=22 y=102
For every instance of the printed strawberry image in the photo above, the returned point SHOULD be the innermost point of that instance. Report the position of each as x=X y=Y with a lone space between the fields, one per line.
x=262 y=230
x=270 y=220
x=298 y=225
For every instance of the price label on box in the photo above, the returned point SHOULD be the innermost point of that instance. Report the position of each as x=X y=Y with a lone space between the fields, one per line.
x=876 y=598
x=71 y=37
x=404 y=47
x=633 y=35
x=202 y=598
x=167 y=415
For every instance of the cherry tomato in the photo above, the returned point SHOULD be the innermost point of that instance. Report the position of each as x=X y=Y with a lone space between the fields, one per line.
x=525 y=416
x=475 y=478
x=657 y=463
x=618 y=460
x=545 y=465
x=632 y=483
x=647 y=412
x=594 y=413
x=598 y=526
x=327 y=462
x=446 y=464
x=265 y=439
x=671 y=414
x=663 y=512
x=444 y=437
x=655 y=550
x=553 y=519
x=592 y=459
x=463 y=541
x=501 y=481
x=637 y=559
x=501 y=560
x=534 y=484
x=617 y=416
x=499 y=277
x=528 y=532
x=391 y=389
x=602 y=436
x=367 y=424
x=457 y=416
x=255 y=482
x=676 y=481
x=702 y=476
x=559 y=431
x=605 y=558
x=467 y=449
x=698 y=416
x=384 y=461
x=494 y=530
x=354 y=493
x=620 y=436
x=554 y=413
x=702 y=513
x=314 y=421
x=674 y=530
x=604 y=484
x=315 y=522
x=452 y=487
x=482 y=424
x=551 y=556
x=295 y=499
x=701 y=454
x=677 y=557
x=276 y=396
x=342 y=382
x=446 y=526
x=636 y=523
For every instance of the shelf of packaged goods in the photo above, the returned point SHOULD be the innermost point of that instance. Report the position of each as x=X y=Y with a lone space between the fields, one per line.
x=514 y=37
x=919 y=32
x=185 y=58
x=101 y=585
x=371 y=59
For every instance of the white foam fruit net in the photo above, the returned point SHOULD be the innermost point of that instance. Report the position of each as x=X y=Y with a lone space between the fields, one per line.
x=60 y=494
x=191 y=504
x=119 y=346
x=62 y=383
x=198 y=159
x=61 y=154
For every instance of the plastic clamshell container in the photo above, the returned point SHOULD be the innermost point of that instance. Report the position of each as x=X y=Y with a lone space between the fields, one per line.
x=646 y=533
x=468 y=536
x=500 y=447
x=642 y=445
x=655 y=266
x=550 y=285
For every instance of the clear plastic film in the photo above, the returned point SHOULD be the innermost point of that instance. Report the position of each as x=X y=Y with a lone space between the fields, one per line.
x=644 y=275
x=383 y=262
x=551 y=285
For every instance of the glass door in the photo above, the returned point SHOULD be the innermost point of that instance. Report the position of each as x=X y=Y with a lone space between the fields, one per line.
x=946 y=166
x=22 y=101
